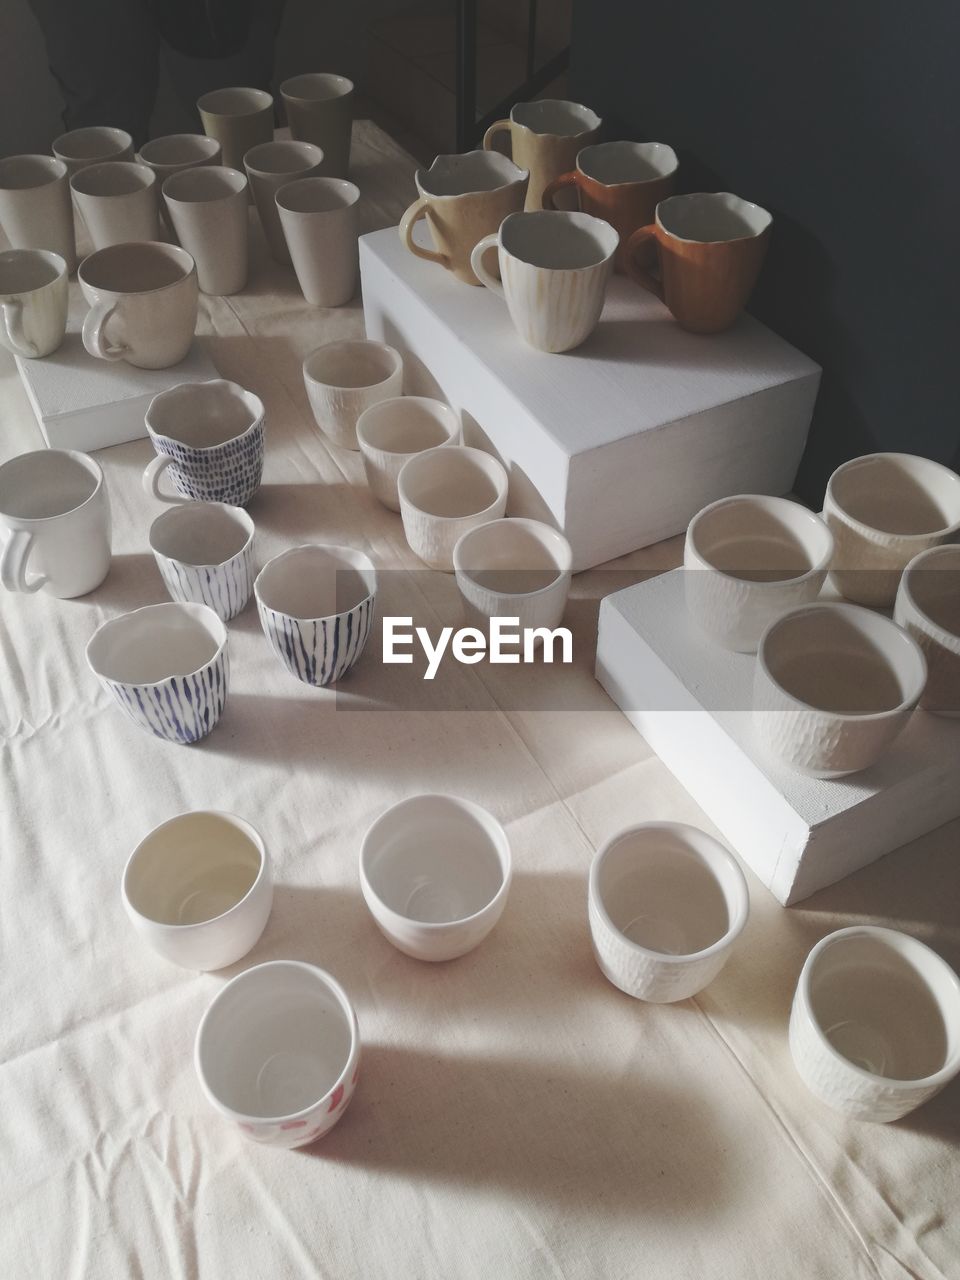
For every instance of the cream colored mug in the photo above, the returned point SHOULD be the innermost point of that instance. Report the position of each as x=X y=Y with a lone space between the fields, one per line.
x=545 y=138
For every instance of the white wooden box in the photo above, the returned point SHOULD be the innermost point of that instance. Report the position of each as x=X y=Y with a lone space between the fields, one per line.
x=691 y=701
x=619 y=442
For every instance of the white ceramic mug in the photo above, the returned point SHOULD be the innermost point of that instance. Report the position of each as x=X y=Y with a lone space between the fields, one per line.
x=444 y=492
x=344 y=378
x=143 y=303
x=204 y=551
x=81 y=148
x=54 y=523
x=207 y=207
x=319 y=220
x=928 y=606
x=35 y=207
x=390 y=432
x=269 y=167
x=513 y=569
x=118 y=201
x=33 y=301
x=554 y=269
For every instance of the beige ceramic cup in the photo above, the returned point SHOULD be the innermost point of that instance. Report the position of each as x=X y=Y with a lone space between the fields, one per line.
x=239 y=119
x=82 y=147
x=207 y=206
x=35 y=208
x=319 y=109
x=463 y=198
x=118 y=202
x=344 y=378
x=319 y=221
x=390 y=432
x=928 y=607
x=546 y=137
x=33 y=301
x=176 y=151
x=270 y=167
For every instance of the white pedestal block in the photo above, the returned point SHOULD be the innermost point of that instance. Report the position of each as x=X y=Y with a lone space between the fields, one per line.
x=619 y=442
x=691 y=701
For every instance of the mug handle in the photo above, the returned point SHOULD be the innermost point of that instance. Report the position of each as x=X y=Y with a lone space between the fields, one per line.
x=413 y=215
x=498 y=126
x=476 y=262
x=151 y=479
x=551 y=189
x=13 y=562
x=94 y=338
x=633 y=268
x=12 y=335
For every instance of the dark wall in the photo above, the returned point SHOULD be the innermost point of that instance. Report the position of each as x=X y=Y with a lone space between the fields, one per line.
x=842 y=117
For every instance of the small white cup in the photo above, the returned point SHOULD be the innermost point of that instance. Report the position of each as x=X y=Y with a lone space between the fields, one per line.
x=928 y=607
x=204 y=551
x=884 y=509
x=748 y=560
x=445 y=492
x=207 y=207
x=81 y=148
x=513 y=569
x=391 y=432
x=269 y=167
x=875 y=1024
x=278 y=1052
x=833 y=687
x=435 y=872
x=343 y=379
x=118 y=201
x=35 y=207
x=666 y=903
x=319 y=221
x=198 y=889
x=33 y=301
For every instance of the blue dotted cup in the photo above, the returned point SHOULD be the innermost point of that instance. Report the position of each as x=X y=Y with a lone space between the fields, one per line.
x=209 y=437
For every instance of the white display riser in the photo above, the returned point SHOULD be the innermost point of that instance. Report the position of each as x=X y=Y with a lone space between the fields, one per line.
x=691 y=701
x=619 y=442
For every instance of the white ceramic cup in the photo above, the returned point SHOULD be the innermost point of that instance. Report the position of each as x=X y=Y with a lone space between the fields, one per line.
x=748 y=560
x=207 y=208
x=35 y=207
x=177 y=151
x=319 y=221
x=198 y=889
x=204 y=551
x=666 y=902
x=239 y=118
x=33 y=301
x=278 y=1052
x=444 y=492
x=319 y=107
x=81 y=148
x=269 y=167
x=166 y=666
x=884 y=509
x=928 y=606
x=513 y=569
x=143 y=303
x=316 y=606
x=118 y=201
x=391 y=431
x=435 y=872
x=342 y=379
x=54 y=523
x=554 y=269
x=875 y=1024
x=833 y=687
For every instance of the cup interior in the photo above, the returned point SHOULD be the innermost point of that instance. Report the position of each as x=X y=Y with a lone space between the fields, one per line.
x=759 y=539
x=234 y=102
x=553 y=115
x=46 y=483
x=156 y=643
x=315 y=582
x=179 y=148
x=407 y=424
x=23 y=270
x=283 y=157
x=880 y=999
x=352 y=364
x=114 y=178
x=193 y=869
x=317 y=195
x=319 y=86
x=19 y=173
x=435 y=860
x=275 y=1041
x=843 y=660
x=97 y=142
x=558 y=241
x=135 y=267
x=450 y=483
x=204 y=183
x=472 y=171
x=712 y=217
x=201 y=533
x=933 y=582
x=513 y=557
x=897 y=493
x=615 y=163
x=204 y=415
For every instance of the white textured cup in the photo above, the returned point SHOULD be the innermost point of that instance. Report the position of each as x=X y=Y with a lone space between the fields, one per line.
x=390 y=432
x=278 y=1052
x=875 y=1024
x=118 y=201
x=833 y=687
x=513 y=568
x=198 y=889
x=95 y=144
x=748 y=560
x=342 y=379
x=35 y=207
x=204 y=551
x=928 y=607
x=884 y=509
x=33 y=301
x=666 y=902
x=444 y=492
x=319 y=220
x=269 y=167
x=207 y=207
x=435 y=872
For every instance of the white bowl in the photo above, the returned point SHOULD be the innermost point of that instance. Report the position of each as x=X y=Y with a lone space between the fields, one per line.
x=390 y=432
x=198 y=889
x=513 y=569
x=875 y=1024
x=666 y=902
x=834 y=685
x=435 y=872
x=749 y=559
x=443 y=493
x=883 y=509
x=928 y=606
x=342 y=379
x=278 y=1052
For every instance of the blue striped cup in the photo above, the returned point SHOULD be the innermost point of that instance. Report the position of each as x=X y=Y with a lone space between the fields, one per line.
x=204 y=551
x=316 y=606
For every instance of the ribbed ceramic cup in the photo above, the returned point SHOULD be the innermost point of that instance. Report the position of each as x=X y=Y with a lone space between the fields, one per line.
x=204 y=551
x=269 y=167
x=344 y=378
x=319 y=107
x=35 y=207
x=391 y=431
x=444 y=492
x=33 y=301
x=119 y=202
x=928 y=607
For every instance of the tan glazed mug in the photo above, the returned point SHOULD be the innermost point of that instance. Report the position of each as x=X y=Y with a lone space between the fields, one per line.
x=545 y=138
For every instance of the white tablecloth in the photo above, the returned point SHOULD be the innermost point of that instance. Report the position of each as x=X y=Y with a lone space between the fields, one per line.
x=517 y=1116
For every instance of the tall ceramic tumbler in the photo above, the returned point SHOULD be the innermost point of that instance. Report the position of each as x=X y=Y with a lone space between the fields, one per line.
x=207 y=207
x=270 y=167
x=35 y=208
x=319 y=109
x=118 y=201
x=319 y=220
x=239 y=119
